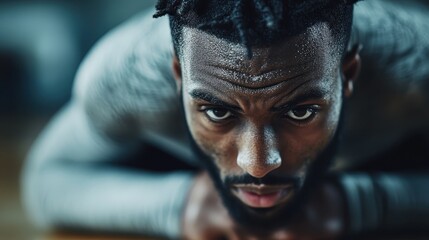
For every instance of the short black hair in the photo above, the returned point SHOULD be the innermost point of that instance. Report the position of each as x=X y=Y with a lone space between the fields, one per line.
x=257 y=23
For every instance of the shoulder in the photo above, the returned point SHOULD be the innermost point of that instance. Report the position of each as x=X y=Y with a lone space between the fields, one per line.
x=126 y=78
x=395 y=37
x=395 y=54
x=392 y=92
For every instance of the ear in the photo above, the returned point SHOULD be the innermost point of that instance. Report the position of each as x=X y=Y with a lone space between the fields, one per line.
x=350 y=69
x=177 y=72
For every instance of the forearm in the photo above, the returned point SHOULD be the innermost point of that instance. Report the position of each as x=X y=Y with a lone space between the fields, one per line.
x=68 y=182
x=106 y=198
x=386 y=202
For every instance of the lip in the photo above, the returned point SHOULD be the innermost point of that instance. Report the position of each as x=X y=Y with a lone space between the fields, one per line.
x=263 y=196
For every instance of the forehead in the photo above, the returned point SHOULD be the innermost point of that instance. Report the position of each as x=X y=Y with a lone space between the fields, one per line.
x=312 y=52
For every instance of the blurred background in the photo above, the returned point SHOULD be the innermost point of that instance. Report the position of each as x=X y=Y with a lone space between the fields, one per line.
x=41 y=46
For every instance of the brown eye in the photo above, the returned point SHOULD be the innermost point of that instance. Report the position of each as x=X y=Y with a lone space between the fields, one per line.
x=301 y=113
x=218 y=114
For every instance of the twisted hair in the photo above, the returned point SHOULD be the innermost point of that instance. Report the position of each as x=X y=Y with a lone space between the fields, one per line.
x=256 y=22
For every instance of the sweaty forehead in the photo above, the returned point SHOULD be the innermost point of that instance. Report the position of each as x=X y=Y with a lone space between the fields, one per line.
x=311 y=52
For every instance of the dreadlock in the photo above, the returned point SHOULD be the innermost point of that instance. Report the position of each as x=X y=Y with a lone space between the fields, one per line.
x=256 y=22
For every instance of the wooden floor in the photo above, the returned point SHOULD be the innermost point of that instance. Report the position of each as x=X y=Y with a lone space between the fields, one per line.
x=16 y=135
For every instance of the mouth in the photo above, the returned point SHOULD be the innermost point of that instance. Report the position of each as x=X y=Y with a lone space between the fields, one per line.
x=263 y=196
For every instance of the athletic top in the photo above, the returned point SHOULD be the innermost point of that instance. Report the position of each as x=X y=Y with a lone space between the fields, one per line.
x=125 y=94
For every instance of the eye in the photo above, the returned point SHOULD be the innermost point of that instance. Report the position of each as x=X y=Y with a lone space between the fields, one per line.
x=301 y=113
x=218 y=114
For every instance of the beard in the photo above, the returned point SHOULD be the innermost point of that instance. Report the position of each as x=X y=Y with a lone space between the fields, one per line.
x=268 y=219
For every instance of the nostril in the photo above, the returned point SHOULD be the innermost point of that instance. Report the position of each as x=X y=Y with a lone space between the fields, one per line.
x=259 y=168
x=259 y=172
x=273 y=158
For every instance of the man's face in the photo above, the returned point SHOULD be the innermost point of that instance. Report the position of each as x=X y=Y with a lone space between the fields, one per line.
x=261 y=121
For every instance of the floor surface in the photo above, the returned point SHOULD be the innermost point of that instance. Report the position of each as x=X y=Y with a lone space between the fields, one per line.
x=16 y=136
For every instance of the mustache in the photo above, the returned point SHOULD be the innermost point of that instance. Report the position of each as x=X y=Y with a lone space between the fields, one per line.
x=266 y=180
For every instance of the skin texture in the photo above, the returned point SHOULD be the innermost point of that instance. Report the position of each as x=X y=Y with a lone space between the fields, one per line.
x=266 y=117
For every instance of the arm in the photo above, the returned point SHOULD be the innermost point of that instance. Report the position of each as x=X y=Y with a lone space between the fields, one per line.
x=359 y=204
x=392 y=97
x=67 y=181
x=66 y=184
x=386 y=202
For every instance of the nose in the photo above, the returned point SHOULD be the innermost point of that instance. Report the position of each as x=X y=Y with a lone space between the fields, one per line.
x=258 y=154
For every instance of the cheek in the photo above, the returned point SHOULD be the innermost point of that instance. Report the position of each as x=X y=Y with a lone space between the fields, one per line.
x=297 y=151
x=220 y=147
x=302 y=145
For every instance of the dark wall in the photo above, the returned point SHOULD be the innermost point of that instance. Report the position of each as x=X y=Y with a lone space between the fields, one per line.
x=43 y=42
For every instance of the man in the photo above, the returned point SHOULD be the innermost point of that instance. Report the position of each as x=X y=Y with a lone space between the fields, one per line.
x=263 y=85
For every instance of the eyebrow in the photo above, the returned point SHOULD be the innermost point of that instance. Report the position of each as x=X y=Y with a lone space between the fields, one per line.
x=305 y=96
x=208 y=97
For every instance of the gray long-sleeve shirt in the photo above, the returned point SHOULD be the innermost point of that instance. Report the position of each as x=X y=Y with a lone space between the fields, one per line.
x=125 y=94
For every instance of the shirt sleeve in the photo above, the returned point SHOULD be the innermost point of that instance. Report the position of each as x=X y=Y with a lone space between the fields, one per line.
x=396 y=45
x=390 y=97
x=122 y=89
x=386 y=202
x=68 y=183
